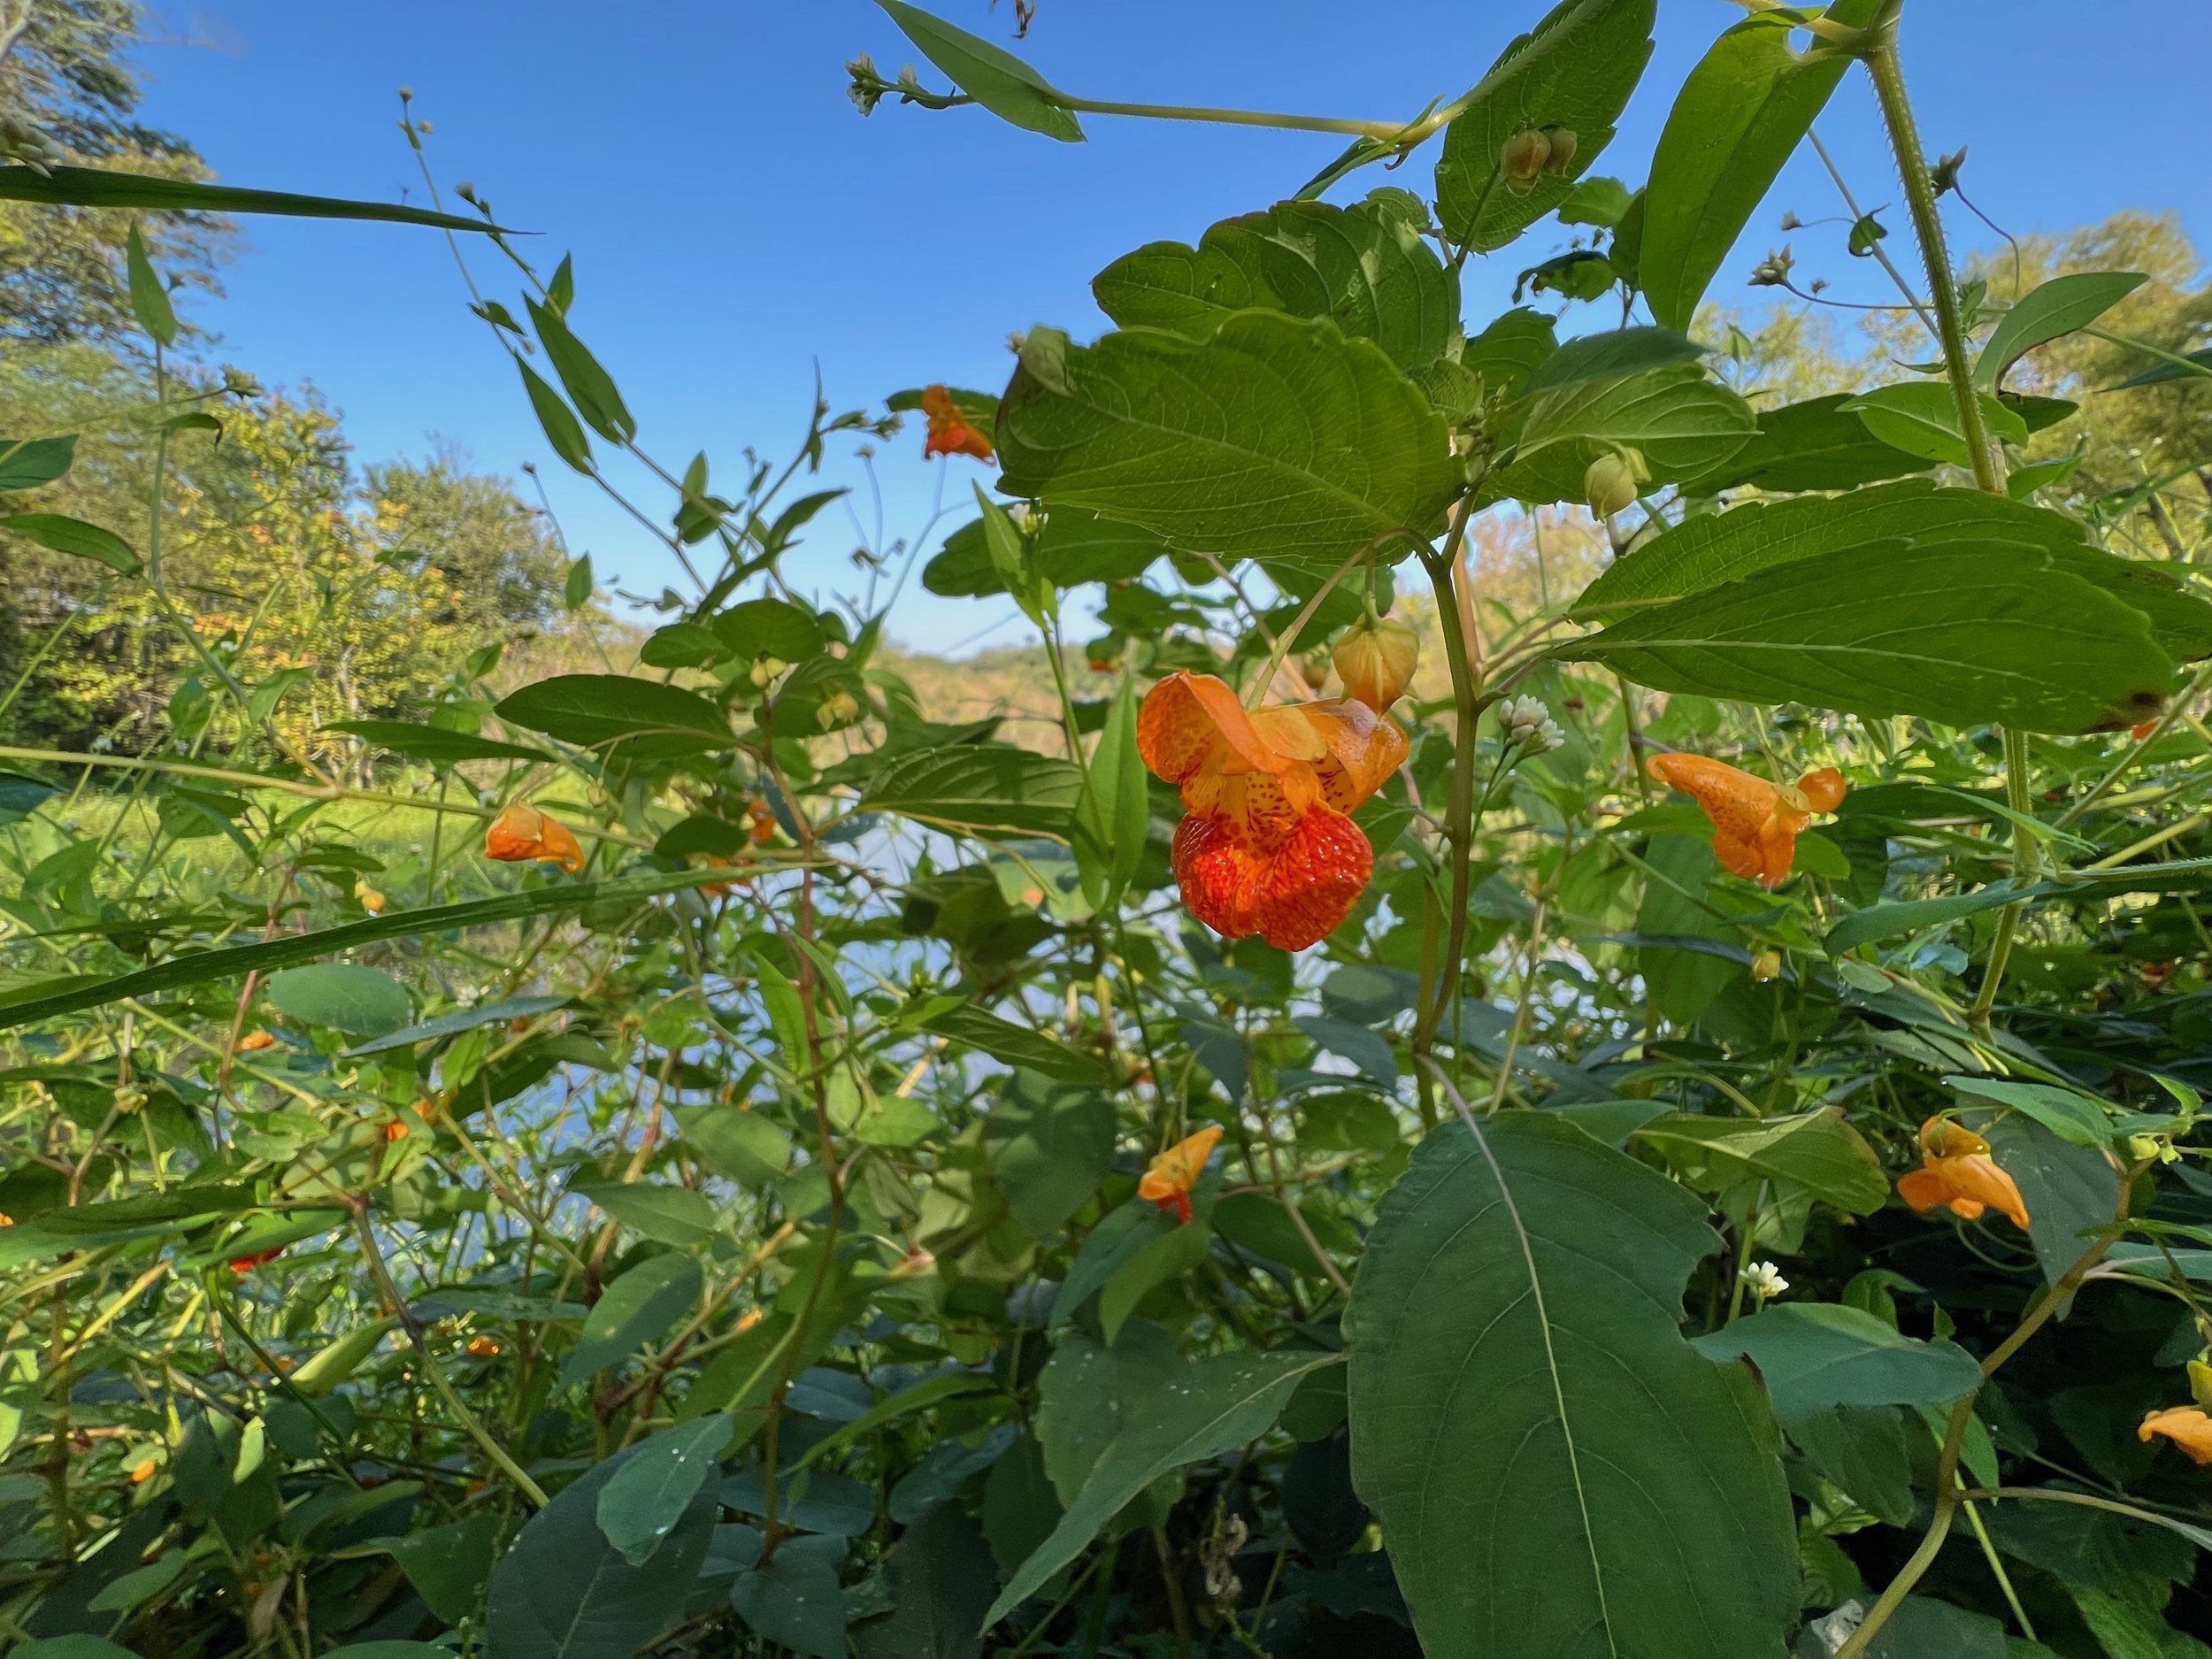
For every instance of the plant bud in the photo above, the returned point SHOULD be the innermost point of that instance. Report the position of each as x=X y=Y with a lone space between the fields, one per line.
x=1766 y=965
x=840 y=707
x=2200 y=1383
x=1374 y=660
x=765 y=671
x=1563 y=145
x=1521 y=160
x=1609 y=483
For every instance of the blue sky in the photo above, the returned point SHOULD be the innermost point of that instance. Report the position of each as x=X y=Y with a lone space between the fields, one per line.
x=734 y=222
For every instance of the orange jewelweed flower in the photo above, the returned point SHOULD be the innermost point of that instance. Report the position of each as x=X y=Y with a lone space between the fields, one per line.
x=1375 y=661
x=521 y=832
x=949 y=432
x=1267 y=847
x=370 y=899
x=1167 y=1183
x=1957 y=1170
x=747 y=1320
x=254 y=1041
x=143 y=1470
x=1754 y=823
x=2187 y=1426
x=483 y=1347
x=395 y=1131
x=247 y=1263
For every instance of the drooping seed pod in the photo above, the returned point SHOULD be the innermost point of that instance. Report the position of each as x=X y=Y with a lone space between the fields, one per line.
x=1521 y=163
x=1376 y=660
x=1564 y=142
x=1766 y=965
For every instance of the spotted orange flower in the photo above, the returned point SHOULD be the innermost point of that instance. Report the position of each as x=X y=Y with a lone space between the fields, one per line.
x=2187 y=1426
x=1267 y=847
x=1957 y=1170
x=949 y=432
x=1167 y=1183
x=1754 y=823
x=483 y=1347
x=247 y=1263
x=521 y=832
x=254 y=1041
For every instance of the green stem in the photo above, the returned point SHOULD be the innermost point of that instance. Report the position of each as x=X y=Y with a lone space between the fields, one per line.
x=2026 y=858
x=1387 y=130
x=1459 y=813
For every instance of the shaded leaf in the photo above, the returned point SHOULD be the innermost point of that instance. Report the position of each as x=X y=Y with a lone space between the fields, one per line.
x=64 y=534
x=645 y=1500
x=1575 y=69
x=1555 y=1468
x=979 y=789
x=2048 y=311
x=1813 y=1355
x=592 y=711
x=1681 y=423
x=359 y=1001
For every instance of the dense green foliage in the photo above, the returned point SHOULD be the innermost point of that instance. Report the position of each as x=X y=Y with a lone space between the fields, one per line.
x=755 y=1227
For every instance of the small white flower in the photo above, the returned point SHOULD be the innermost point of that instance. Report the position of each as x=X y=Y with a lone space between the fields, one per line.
x=1525 y=720
x=1766 y=1280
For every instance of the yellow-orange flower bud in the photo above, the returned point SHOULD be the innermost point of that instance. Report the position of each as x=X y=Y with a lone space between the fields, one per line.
x=1376 y=660
x=1609 y=482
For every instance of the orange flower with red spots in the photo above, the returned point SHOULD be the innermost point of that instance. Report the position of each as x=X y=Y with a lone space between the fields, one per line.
x=521 y=832
x=949 y=432
x=1267 y=847
x=1167 y=1183
x=1956 y=1172
x=1754 y=823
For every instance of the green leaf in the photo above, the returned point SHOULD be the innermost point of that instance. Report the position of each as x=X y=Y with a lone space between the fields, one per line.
x=563 y=1592
x=1813 y=1355
x=444 y=1026
x=916 y=1397
x=1507 y=353
x=593 y=711
x=150 y=299
x=1922 y=418
x=1211 y=1408
x=1015 y=1045
x=1816 y=1150
x=1864 y=1450
x=589 y=386
x=1120 y=1238
x=559 y=421
x=1555 y=1469
x=1575 y=69
x=1111 y=816
x=1276 y=439
x=940 y=1582
x=1910 y=915
x=645 y=1498
x=435 y=743
x=1049 y=1148
x=27 y=463
x=359 y=1001
x=1812 y=445
x=1161 y=1262
x=995 y=79
x=199 y=967
x=1680 y=422
x=1738 y=119
x=2048 y=312
x=768 y=627
x=983 y=789
x=1979 y=632
x=576 y=591
x=2166 y=371
x=93 y=187
x=64 y=534
x=139 y=1586
x=2075 y=1118
x=672 y=1215
x=749 y=1146
x=2068 y=1189
x=178 y=1203
x=1613 y=356
x=336 y=1362
x=449 y=1565
x=640 y=1307
x=1366 y=268
x=794 y=1599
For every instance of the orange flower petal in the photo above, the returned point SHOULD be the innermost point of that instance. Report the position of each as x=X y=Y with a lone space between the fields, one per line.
x=1365 y=748
x=1293 y=895
x=1192 y=722
x=2185 y=1426
x=949 y=432
x=1754 y=823
x=1977 y=1178
x=1176 y=1170
x=1924 y=1189
x=1823 y=789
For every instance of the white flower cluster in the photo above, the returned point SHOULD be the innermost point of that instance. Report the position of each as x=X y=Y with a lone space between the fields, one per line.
x=1525 y=720
x=1765 y=1281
